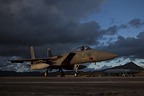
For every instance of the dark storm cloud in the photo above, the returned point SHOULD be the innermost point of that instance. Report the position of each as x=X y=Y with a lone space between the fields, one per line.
x=129 y=46
x=45 y=23
x=75 y=8
x=49 y=23
x=136 y=22
x=113 y=29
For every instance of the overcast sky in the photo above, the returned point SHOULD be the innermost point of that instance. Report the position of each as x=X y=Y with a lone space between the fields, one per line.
x=111 y=25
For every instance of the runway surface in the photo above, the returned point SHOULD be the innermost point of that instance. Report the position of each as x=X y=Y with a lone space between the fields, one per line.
x=70 y=86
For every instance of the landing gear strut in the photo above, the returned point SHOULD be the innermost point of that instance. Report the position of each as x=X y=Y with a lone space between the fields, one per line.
x=46 y=73
x=76 y=66
x=62 y=72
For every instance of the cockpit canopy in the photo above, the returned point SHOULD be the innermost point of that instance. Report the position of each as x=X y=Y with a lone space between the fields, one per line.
x=82 y=48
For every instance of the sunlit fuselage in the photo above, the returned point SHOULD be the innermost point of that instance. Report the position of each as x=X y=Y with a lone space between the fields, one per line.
x=88 y=56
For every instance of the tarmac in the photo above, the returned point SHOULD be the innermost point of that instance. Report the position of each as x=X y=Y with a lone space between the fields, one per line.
x=71 y=86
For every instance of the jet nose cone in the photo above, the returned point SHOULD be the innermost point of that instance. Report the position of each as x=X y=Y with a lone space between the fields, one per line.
x=112 y=55
x=102 y=55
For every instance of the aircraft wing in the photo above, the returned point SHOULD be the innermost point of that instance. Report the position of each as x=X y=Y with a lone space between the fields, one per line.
x=64 y=60
x=68 y=58
x=33 y=60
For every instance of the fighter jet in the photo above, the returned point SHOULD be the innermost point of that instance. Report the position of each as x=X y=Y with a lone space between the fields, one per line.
x=74 y=58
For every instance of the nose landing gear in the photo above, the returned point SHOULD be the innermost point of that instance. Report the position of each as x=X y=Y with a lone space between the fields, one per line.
x=46 y=73
x=76 y=66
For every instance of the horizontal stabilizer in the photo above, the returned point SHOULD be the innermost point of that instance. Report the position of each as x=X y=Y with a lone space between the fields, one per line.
x=22 y=60
x=16 y=61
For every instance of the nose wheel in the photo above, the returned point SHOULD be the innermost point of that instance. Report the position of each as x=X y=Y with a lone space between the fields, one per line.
x=76 y=74
x=76 y=66
x=46 y=73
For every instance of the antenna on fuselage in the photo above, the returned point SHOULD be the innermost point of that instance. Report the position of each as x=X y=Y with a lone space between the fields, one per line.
x=32 y=54
x=49 y=53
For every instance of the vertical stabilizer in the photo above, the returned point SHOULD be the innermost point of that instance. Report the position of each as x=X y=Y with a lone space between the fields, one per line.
x=49 y=53
x=32 y=52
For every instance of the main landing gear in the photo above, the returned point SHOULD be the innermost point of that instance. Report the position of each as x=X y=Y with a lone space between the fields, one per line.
x=46 y=73
x=62 y=72
x=76 y=66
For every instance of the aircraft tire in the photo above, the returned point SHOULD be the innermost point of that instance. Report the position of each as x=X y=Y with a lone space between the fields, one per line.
x=62 y=74
x=76 y=75
x=45 y=74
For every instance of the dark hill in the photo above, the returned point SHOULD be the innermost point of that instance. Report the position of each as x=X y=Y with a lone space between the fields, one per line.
x=130 y=66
